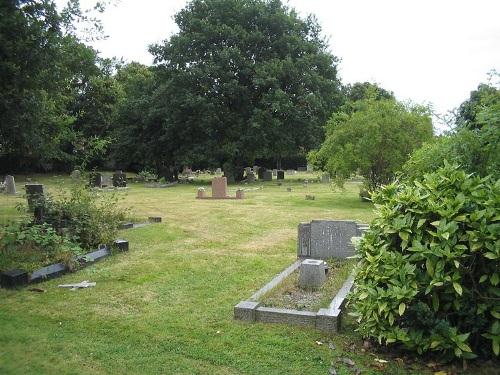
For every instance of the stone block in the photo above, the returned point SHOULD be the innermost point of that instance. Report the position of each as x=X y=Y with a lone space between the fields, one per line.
x=219 y=187
x=119 y=179
x=245 y=310
x=304 y=240
x=200 y=193
x=240 y=194
x=10 y=185
x=13 y=278
x=295 y=317
x=312 y=273
x=332 y=239
x=121 y=245
x=267 y=175
x=49 y=272
x=250 y=177
x=96 y=180
x=327 y=321
x=280 y=175
x=154 y=219
x=126 y=225
x=35 y=195
x=275 y=172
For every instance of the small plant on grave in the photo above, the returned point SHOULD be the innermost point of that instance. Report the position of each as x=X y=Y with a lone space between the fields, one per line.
x=147 y=175
x=429 y=270
x=87 y=217
x=30 y=246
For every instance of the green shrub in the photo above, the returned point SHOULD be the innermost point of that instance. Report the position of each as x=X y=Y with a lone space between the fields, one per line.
x=429 y=272
x=31 y=246
x=87 y=217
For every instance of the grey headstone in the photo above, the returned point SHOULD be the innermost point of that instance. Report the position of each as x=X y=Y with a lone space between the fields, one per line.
x=96 y=180
x=218 y=170
x=34 y=195
x=76 y=174
x=309 y=168
x=10 y=185
x=119 y=179
x=332 y=238
x=250 y=177
x=275 y=172
x=325 y=179
x=304 y=240
x=312 y=273
x=267 y=175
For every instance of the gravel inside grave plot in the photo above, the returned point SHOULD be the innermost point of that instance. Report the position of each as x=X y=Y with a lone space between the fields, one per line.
x=288 y=295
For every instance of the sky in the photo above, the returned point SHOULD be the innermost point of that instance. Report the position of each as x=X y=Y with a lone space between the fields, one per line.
x=427 y=51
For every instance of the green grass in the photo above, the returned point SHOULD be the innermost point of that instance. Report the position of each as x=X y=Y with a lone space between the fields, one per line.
x=166 y=306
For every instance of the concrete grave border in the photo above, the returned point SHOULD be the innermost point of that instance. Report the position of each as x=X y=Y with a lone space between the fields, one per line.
x=325 y=319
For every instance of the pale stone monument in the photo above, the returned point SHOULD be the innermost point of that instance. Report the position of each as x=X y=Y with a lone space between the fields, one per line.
x=201 y=193
x=219 y=187
x=312 y=273
x=10 y=185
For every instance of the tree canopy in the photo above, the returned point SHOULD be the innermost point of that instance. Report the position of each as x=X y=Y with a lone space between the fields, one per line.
x=241 y=80
x=373 y=140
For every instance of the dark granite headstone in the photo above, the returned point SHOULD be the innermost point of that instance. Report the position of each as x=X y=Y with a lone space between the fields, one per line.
x=13 y=278
x=304 y=240
x=126 y=225
x=121 y=245
x=267 y=175
x=34 y=195
x=48 y=272
x=332 y=239
x=281 y=175
x=96 y=180
x=260 y=172
x=119 y=179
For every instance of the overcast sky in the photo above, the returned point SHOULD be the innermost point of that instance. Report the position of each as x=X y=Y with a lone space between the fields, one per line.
x=426 y=51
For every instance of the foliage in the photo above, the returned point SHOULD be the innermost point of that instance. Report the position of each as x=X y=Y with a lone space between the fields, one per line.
x=429 y=271
x=474 y=144
x=31 y=246
x=147 y=175
x=240 y=80
x=374 y=139
x=87 y=217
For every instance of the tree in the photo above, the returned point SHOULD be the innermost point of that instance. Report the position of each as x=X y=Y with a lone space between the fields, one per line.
x=43 y=66
x=241 y=80
x=374 y=140
x=474 y=144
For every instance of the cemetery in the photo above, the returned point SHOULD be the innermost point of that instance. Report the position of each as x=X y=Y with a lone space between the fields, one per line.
x=211 y=188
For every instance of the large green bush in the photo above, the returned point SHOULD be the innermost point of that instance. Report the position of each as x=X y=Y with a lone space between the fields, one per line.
x=429 y=272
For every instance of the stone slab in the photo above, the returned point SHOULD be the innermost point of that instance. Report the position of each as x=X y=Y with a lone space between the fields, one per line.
x=245 y=310
x=267 y=175
x=312 y=273
x=121 y=245
x=332 y=239
x=295 y=317
x=219 y=187
x=49 y=272
x=304 y=240
x=13 y=278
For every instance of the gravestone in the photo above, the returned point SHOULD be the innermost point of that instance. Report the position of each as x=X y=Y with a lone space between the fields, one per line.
x=304 y=240
x=13 y=278
x=332 y=239
x=325 y=179
x=218 y=170
x=119 y=179
x=121 y=245
x=76 y=174
x=267 y=175
x=248 y=170
x=250 y=177
x=35 y=195
x=10 y=185
x=275 y=172
x=309 y=168
x=280 y=175
x=290 y=172
x=107 y=181
x=312 y=273
x=260 y=173
x=219 y=187
x=240 y=194
x=200 y=193
x=96 y=180
x=302 y=169
x=310 y=197
x=154 y=219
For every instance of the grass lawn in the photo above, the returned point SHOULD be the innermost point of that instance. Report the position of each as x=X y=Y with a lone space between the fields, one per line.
x=166 y=306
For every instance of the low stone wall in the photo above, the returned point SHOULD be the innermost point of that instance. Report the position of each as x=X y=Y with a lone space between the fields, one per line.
x=326 y=319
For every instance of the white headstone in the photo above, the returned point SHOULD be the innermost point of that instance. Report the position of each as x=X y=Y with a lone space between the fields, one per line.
x=10 y=185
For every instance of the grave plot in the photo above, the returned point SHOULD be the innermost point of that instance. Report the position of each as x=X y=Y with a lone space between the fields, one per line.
x=219 y=190
x=302 y=293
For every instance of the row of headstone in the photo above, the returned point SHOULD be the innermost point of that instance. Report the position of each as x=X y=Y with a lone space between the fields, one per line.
x=97 y=180
x=324 y=239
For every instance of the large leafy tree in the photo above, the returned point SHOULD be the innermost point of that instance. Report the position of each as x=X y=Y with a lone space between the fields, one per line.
x=242 y=79
x=375 y=140
x=44 y=69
